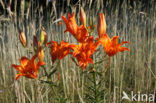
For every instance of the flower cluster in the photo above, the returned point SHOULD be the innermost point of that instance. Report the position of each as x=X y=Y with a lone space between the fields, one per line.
x=82 y=51
x=86 y=47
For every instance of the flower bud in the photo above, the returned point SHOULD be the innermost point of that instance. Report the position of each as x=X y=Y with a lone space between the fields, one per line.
x=22 y=38
x=101 y=26
x=41 y=55
x=60 y=23
x=59 y=77
x=83 y=17
x=35 y=43
x=43 y=36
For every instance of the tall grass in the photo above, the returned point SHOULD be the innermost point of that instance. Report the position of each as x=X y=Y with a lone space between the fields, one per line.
x=129 y=71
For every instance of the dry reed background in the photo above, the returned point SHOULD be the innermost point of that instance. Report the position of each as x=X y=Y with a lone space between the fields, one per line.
x=129 y=71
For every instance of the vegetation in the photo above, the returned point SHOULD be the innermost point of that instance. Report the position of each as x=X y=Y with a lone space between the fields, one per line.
x=64 y=81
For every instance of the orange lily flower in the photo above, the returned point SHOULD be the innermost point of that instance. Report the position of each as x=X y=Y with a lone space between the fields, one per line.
x=79 y=32
x=101 y=26
x=28 y=68
x=59 y=51
x=111 y=46
x=71 y=24
x=84 y=51
x=82 y=34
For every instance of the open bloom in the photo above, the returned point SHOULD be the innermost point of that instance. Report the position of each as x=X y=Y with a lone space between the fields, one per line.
x=59 y=51
x=84 y=51
x=71 y=24
x=80 y=33
x=111 y=46
x=101 y=26
x=28 y=68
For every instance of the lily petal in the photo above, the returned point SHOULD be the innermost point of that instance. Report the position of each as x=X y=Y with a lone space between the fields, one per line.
x=17 y=67
x=114 y=40
x=121 y=49
x=124 y=43
x=40 y=63
x=64 y=19
x=17 y=76
x=24 y=61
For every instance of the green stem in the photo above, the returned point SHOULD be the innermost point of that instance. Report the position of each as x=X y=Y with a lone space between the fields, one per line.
x=46 y=73
x=95 y=86
x=44 y=68
x=53 y=90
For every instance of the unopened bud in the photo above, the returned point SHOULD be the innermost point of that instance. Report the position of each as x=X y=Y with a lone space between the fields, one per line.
x=35 y=43
x=43 y=36
x=23 y=38
x=41 y=55
x=101 y=26
x=83 y=17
